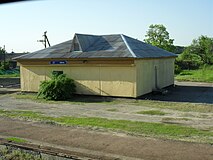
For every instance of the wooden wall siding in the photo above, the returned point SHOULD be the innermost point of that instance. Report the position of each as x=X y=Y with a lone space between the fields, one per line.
x=115 y=78
x=90 y=80
x=146 y=76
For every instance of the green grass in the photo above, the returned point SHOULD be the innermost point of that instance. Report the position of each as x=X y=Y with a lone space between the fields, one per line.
x=152 y=112
x=31 y=96
x=201 y=75
x=15 y=139
x=175 y=119
x=78 y=100
x=23 y=114
x=180 y=106
x=112 y=109
x=9 y=73
x=170 y=131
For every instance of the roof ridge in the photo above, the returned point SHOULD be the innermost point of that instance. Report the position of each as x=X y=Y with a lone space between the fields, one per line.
x=98 y=35
x=127 y=45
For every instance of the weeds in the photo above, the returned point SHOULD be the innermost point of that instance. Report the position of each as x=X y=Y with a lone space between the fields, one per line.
x=15 y=139
x=152 y=112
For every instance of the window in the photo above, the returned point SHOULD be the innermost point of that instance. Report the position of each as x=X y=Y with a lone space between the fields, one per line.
x=76 y=47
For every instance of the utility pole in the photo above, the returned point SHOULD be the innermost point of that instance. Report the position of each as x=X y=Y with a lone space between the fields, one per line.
x=4 y=56
x=45 y=40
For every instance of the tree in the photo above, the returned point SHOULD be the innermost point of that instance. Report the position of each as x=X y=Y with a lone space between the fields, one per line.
x=200 y=52
x=3 y=64
x=188 y=61
x=158 y=36
x=203 y=46
x=2 y=50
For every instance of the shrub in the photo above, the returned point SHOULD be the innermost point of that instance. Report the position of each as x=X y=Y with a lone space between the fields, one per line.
x=177 y=69
x=58 y=88
x=188 y=61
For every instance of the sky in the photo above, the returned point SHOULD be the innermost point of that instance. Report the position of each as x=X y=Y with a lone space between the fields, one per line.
x=23 y=23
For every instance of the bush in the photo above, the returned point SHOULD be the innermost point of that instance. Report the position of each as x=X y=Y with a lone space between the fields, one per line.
x=177 y=69
x=58 y=88
x=188 y=61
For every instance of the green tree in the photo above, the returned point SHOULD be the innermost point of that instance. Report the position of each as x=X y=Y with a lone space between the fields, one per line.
x=3 y=63
x=203 y=46
x=158 y=36
x=188 y=61
x=2 y=50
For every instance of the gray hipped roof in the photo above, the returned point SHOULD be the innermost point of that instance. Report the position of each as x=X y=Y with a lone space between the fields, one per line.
x=100 y=46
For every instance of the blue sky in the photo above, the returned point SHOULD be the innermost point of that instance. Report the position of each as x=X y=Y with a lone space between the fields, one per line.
x=23 y=23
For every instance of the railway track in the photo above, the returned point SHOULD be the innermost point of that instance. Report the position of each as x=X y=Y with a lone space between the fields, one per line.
x=48 y=151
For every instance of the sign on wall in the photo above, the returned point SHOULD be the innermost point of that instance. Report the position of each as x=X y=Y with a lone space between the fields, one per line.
x=58 y=62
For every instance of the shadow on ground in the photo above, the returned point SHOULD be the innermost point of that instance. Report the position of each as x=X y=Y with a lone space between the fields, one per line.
x=180 y=93
x=91 y=99
x=10 y=82
x=7 y=91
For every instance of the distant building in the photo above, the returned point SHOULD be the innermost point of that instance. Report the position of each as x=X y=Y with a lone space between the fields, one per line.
x=10 y=57
x=107 y=65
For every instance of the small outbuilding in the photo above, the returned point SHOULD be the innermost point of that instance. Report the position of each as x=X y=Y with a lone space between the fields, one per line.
x=106 y=65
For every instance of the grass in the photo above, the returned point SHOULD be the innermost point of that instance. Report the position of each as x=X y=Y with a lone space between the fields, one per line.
x=112 y=109
x=204 y=74
x=33 y=96
x=15 y=139
x=152 y=112
x=9 y=73
x=170 y=131
x=23 y=114
x=175 y=119
x=180 y=106
x=77 y=100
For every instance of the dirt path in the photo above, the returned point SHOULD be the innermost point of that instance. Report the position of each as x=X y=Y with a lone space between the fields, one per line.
x=107 y=144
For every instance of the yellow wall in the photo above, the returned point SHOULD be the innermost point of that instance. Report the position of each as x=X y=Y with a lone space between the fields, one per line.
x=146 y=81
x=31 y=77
x=127 y=80
x=118 y=80
x=90 y=79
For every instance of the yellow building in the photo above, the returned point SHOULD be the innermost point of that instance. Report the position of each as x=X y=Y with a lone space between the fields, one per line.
x=107 y=65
